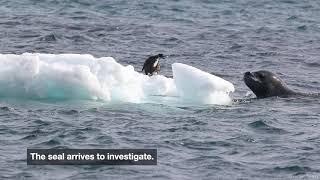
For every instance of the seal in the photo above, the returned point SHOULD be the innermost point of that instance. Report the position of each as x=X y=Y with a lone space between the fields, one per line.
x=266 y=84
x=152 y=64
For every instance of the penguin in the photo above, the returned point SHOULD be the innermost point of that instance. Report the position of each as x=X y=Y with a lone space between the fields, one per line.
x=152 y=64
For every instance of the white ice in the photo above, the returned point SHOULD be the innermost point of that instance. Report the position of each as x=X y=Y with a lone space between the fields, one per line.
x=82 y=76
x=198 y=86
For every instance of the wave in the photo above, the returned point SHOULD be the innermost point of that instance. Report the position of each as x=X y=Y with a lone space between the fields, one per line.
x=82 y=76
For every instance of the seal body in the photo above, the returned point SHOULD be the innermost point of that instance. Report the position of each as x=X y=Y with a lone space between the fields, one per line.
x=266 y=84
x=152 y=64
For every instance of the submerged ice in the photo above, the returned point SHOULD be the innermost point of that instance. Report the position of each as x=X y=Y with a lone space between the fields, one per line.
x=82 y=76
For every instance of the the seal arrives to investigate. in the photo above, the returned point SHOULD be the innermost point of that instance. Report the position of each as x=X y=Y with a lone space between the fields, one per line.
x=152 y=64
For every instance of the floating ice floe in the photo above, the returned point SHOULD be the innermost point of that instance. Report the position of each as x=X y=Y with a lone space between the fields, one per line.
x=82 y=76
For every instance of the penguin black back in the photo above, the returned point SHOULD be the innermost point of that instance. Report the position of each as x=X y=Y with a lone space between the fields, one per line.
x=152 y=64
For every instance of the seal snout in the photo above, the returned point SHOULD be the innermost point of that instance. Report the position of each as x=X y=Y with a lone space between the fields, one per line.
x=247 y=73
x=250 y=78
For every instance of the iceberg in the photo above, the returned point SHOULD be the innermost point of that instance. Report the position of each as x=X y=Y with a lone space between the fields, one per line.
x=83 y=76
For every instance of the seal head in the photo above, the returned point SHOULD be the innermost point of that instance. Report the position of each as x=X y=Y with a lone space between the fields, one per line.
x=266 y=84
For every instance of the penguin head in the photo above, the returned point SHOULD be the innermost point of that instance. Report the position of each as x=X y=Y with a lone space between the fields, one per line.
x=161 y=56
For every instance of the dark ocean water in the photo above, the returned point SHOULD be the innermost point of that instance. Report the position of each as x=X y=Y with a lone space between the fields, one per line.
x=273 y=138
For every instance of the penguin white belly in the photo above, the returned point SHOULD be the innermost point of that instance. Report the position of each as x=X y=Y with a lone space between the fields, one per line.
x=156 y=63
